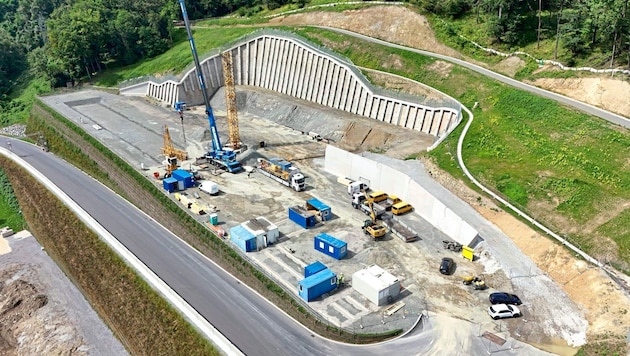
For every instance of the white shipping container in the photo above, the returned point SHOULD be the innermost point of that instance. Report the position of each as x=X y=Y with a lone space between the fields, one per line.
x=377 y=285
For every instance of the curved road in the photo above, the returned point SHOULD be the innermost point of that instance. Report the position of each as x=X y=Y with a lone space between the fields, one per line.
x=589 y=109
x=249 y=321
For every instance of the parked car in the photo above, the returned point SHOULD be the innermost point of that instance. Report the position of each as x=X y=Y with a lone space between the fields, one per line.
x=500 y=311
x=504 y=298
x=446 y=266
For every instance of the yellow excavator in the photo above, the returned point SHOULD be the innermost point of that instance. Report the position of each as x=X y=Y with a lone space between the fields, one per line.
x=372 y=227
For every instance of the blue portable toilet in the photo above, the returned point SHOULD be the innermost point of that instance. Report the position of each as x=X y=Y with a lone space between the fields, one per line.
x=331 y=246
x=313 y=268
x=185 y=177
x=242 y=238
x=323 y=210
x=169 y=184
x=320 y=283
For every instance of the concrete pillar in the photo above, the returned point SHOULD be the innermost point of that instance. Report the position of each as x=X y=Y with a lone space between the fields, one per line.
x=404 y=115
x=395 y=115
x=376 y=102
x=340 y=87
x=302 y=60
x=435 y=124
x=259 y=63
x=429 y=116
x=285 y=75
x=333 y=85
x=237 y=61
x=316 y=80
x=308 y=81
x=369 y=102
x=289 y=68
x=363 y=93
x=306 y=68
x=390 y=109
x=267 y=63
x=274 y=64
x=344 y=90
x=352 y=102
x=383 y=109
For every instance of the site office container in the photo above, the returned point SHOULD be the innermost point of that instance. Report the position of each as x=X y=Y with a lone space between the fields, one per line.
x=170 y=184
x=302 y=217
x=313 y=268
x=185 y=177
x=266 y=233
x=323 y=210
x=314 y=286
x=331 y=246
x=243 y=238
x=377 y=285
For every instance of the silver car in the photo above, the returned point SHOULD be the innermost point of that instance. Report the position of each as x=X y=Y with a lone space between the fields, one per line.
x=500 y=311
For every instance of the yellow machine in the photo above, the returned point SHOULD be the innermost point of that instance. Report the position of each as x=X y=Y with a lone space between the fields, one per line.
x=172 y=154
x=169 y=150
x=372 y=227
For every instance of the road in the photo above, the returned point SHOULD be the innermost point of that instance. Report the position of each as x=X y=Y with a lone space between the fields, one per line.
x=589 y=109
x=253 y=324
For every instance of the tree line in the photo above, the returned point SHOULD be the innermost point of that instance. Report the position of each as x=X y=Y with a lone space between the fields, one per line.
x=581 y=27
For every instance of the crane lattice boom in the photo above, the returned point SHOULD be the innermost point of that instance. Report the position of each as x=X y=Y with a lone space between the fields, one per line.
x=230 y=101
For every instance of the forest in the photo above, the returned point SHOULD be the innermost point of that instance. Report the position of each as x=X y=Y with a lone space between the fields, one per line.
x=64 y=41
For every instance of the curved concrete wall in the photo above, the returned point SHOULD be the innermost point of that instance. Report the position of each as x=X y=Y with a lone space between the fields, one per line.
x=429 y=207
x=292 y=67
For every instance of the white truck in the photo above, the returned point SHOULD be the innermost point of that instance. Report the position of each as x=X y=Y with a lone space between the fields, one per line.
x=282 y=172
x=357 y=187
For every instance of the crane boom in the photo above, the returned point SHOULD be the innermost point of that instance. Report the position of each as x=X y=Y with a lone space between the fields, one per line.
x=216 y=142
x=217 y=155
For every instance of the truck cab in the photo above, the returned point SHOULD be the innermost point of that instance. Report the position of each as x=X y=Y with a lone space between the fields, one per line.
x=357 y=187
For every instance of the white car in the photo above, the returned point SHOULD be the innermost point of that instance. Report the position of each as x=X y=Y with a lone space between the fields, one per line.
x=500 y=311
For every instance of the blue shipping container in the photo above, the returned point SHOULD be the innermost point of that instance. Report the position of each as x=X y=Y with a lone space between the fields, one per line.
x=313 y=268
x=184 y=176
x=302 y=217
x=331 y=246
x=169 y=184
x=242 y=238
x=325 y=213
x=320 y=283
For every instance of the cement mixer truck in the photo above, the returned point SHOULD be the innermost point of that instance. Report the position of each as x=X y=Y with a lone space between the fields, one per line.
x=282 y=172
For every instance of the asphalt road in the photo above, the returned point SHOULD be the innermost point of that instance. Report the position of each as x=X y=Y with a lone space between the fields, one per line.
x=589 y=109
x=253 y=324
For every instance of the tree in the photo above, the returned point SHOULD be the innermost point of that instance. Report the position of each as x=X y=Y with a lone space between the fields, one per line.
x=12 y=62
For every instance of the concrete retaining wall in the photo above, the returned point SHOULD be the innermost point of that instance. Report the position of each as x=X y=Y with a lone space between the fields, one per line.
x=431 y=209
x=294 y=68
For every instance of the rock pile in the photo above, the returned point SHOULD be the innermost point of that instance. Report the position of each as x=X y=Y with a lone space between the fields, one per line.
x=18 y=130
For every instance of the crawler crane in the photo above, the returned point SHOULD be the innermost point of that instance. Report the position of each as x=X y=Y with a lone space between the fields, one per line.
x=224 y=159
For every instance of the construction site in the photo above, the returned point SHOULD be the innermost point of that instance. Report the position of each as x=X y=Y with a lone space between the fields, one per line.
x=307 y=170
x=298 y=195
